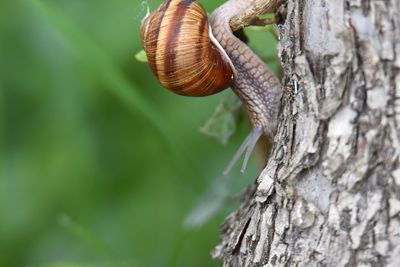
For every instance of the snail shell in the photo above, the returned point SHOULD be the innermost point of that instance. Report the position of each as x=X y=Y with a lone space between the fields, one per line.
x=182 y=52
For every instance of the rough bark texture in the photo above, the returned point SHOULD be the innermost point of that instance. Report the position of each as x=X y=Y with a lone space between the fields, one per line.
x=330 y=194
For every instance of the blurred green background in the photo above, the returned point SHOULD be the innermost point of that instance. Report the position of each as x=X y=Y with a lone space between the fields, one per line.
x=100 y=166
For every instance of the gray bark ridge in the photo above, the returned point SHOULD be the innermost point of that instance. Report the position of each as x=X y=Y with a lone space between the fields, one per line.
x=330 y=193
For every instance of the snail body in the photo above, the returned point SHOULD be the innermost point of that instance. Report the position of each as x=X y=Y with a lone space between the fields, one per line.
x=196 y=56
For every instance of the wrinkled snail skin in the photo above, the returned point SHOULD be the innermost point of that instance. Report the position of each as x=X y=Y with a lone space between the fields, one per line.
x=255 y=83
x=187 y=59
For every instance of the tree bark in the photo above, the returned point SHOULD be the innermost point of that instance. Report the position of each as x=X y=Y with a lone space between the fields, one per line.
x=330 y=193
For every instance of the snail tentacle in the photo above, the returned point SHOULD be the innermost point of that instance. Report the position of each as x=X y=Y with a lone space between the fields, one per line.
x=255 y=84
x=195 y=56
x=247 y=146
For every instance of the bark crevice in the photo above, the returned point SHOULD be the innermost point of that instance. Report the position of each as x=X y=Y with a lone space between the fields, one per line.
x=330 y=193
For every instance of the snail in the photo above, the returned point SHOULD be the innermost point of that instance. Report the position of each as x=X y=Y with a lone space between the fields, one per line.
x=195 y=56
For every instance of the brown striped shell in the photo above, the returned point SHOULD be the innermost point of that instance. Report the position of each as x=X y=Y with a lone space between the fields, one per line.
x=181 y=51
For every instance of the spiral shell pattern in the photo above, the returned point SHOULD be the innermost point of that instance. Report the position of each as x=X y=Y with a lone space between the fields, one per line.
x=181 y=51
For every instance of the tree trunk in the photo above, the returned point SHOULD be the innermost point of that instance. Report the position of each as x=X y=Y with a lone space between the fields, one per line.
x=330 y=194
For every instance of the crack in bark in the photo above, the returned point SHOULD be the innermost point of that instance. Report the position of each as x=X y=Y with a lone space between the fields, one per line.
x=235 y=251
x=331 y=188
x=271 y=234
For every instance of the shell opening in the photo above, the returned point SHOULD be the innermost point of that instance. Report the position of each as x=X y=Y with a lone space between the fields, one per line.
x=219 y=46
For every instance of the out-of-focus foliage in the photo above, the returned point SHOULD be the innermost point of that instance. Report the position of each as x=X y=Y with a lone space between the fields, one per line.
x=100 y=166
